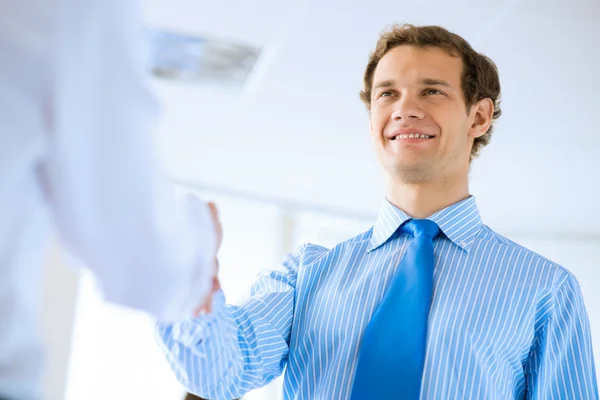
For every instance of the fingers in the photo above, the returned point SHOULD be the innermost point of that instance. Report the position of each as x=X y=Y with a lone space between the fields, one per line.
x=206 y=308
x=216 y=285
x=214 y=214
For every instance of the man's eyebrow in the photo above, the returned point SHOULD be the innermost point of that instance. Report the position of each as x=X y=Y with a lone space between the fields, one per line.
x=383 y=84
x=435 y=82
x=427 y=81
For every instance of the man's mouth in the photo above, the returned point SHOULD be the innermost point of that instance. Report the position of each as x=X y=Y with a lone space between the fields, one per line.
x=411 y=136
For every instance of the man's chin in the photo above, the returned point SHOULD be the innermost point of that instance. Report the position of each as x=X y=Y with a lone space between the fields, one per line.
x=411 y=172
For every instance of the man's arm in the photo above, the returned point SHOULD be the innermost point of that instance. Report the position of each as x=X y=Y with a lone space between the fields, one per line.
x=114 y=206
x=235 y=349
x=561 y=364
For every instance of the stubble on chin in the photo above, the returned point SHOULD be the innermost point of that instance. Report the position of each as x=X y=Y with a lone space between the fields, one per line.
x=412 y=174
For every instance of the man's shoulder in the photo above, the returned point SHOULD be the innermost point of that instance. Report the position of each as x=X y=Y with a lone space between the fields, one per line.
x=309 y=252
x=522 y=254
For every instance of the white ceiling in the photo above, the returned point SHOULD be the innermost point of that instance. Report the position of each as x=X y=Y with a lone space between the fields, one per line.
x=299 y=131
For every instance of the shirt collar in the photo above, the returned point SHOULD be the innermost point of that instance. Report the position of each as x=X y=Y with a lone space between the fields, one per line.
x=460 y=223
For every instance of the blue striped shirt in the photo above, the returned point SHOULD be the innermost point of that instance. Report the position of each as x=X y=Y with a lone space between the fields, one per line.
x=505 y=323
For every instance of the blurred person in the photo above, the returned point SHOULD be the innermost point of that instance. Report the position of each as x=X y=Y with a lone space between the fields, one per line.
x=77 y=153
x=430 y=303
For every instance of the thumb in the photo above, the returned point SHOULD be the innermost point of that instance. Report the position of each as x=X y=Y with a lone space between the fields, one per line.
x=214 y=214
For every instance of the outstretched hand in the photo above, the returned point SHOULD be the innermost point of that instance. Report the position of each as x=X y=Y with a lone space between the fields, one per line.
x=216 y=285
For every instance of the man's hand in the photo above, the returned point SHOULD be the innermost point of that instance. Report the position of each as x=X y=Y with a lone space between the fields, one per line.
x=214 y=215
x=216 y=286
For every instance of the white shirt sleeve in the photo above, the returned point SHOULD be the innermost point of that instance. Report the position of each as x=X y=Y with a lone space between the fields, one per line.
x=114 y=207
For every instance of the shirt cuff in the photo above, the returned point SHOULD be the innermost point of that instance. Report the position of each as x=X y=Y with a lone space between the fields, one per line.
x=194 y=333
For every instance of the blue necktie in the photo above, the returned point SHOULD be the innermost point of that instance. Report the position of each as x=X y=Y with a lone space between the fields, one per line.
x=392 y=352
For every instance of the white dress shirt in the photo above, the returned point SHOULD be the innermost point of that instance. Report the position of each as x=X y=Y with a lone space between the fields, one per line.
x=76 y=154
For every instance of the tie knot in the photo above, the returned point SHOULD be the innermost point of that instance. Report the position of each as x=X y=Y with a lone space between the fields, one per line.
x=420 y=227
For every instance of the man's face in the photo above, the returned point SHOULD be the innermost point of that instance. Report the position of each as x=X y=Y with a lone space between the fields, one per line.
x=419 y=122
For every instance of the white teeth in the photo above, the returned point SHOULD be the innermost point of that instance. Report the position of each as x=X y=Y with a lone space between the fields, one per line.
x=411 y=136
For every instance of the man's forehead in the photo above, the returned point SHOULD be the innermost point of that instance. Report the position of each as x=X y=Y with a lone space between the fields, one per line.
x=420 y=51
x=418 y=65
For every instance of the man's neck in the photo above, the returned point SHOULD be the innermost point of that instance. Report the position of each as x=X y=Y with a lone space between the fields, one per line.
x=424 y=199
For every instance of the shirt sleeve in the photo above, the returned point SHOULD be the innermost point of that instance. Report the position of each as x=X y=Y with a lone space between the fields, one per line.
x=562 y=360
x=113 y=204
x=236 y=348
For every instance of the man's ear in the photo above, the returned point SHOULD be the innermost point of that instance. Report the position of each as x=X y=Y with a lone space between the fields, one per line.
x=482 y=118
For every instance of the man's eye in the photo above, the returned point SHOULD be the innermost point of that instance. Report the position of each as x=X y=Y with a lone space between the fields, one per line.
x=432 y=91
x=387 y=93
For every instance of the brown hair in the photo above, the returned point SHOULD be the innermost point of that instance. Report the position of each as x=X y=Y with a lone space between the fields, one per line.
x=479 y=78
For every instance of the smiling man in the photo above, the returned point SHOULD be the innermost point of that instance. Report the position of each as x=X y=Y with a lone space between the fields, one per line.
x=429 y=303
